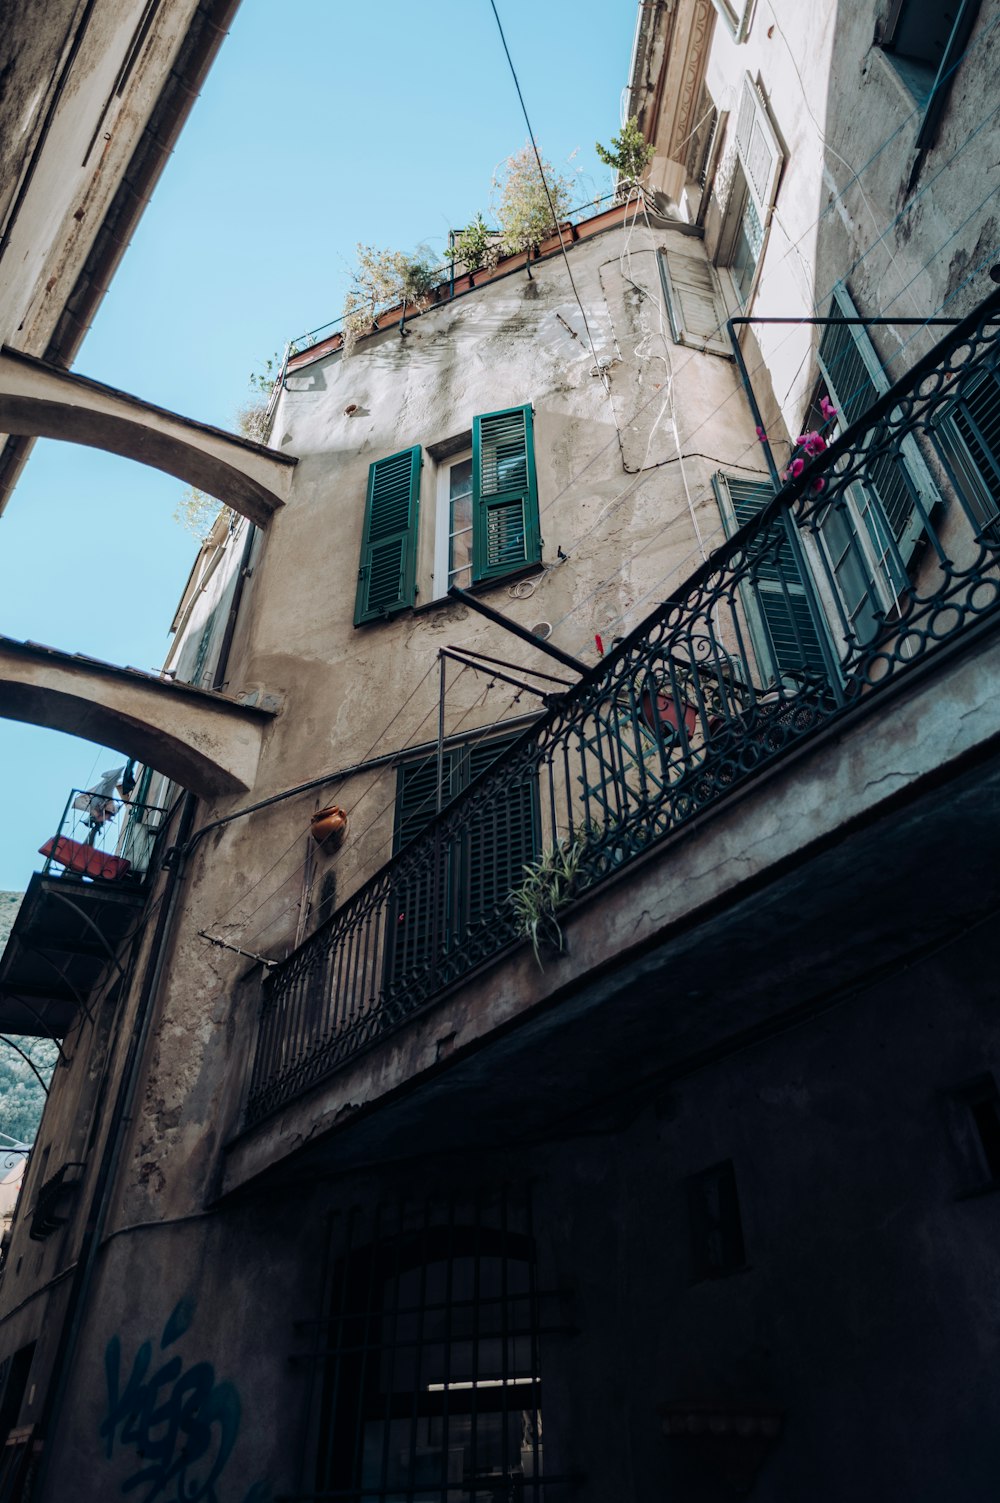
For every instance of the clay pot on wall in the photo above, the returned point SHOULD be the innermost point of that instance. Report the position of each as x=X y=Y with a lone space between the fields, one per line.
x=329 y=826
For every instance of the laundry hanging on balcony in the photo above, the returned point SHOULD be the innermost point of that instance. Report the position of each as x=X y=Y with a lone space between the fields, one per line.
x=98 y=804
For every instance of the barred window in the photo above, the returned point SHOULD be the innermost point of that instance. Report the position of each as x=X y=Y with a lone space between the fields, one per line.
x=430 y=1385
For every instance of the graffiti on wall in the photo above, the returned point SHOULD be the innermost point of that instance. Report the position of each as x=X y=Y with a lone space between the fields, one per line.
x=181 y=1423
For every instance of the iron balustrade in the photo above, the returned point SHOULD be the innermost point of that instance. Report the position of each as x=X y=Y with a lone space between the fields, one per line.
x=441 y=279
x=116 y=827
x=760 y=649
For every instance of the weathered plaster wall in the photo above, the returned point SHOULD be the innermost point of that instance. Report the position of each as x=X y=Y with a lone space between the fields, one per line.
x=346 y=695
x=349 y=694
x=848 y=124
x=866 y=1275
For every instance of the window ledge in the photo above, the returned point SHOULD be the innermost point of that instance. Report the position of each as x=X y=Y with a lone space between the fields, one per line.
x=501 y=581
x=895 y=74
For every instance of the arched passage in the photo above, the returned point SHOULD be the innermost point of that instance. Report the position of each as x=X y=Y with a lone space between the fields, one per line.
x=42 y=401
x=203 y=741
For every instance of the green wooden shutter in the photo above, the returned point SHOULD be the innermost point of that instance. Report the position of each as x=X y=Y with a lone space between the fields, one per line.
x=387 y=576
x=410 y=943
x=774 y=595
x=895 y=481
x=969 y=436
x=499 y=842
x=479 y=867
x=505 y=532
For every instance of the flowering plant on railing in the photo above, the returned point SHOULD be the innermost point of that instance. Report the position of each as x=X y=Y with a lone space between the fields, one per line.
x=811 y=444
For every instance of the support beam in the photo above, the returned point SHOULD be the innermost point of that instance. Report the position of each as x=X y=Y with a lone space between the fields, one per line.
x=42 y=401
x=205 y=742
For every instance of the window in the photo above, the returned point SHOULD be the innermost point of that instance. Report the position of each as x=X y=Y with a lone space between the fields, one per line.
x=872 y=533
x=460 y=521
x=775 y=597
x=695 y=304
x=737 y=15
x=925 y=40
x=755 y=185
x=453 y=521
x=478 y=868
x=717 y=1245
x=431 y=1386
x=968 y=437
x=486 y=523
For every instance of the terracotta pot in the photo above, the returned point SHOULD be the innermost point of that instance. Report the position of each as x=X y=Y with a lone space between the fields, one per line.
x=329 y=826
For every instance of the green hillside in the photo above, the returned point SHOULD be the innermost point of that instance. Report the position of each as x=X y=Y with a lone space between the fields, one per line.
x=21 y=1096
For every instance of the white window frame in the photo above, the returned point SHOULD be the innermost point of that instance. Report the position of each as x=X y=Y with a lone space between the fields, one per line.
x=442 y=520
x=736 y=17
x=760 y=159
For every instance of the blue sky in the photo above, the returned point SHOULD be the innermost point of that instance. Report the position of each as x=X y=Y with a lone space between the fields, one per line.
x=322 y=123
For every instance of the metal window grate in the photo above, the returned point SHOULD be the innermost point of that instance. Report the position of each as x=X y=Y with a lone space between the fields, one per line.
x=427 y=1360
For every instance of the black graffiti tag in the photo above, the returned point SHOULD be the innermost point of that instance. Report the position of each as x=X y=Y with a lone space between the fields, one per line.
x=182 y=1423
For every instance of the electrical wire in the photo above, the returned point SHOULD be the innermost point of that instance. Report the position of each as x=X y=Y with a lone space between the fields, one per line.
x=372 y=856
x=820 y=301
x=658 y=586
x=598 y=368
x=217 y=922
x=356 y=837
x=485 y=731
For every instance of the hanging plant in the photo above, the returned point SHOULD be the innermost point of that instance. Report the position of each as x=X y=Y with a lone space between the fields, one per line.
x=548 y=884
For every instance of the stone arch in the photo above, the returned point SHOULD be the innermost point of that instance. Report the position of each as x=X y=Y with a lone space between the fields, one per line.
x=39 y=400
x=203 y=741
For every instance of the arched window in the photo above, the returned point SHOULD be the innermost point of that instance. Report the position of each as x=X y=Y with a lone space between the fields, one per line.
x=430 y=1388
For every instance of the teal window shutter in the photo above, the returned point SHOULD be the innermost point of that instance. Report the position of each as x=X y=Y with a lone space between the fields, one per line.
x=480 y=865
x=968 y=435
x=499 y=842
x=505 y=531
x=895 y=481
x=774 y=594
x=387 y=575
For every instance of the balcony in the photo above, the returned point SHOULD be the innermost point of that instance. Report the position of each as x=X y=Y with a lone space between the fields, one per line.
x=854 y=598
x=76 y=912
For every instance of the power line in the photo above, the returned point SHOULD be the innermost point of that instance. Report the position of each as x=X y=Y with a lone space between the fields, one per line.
x=598 y=368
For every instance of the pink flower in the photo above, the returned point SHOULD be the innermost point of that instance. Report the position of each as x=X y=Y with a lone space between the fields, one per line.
x=819 y=484
x=761 y=435
x=795 y=469
x=827 y=409
x=812 y=442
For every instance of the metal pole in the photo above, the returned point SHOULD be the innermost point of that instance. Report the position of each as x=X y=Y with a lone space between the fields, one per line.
x=757 y=416
x=443 y=661
x=491 y=615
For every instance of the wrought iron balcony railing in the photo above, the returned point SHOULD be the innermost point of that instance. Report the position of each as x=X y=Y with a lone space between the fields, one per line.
x=882 y=550
x=103 y=837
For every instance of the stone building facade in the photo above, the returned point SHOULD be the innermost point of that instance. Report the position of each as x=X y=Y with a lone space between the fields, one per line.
x=607 y=1107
